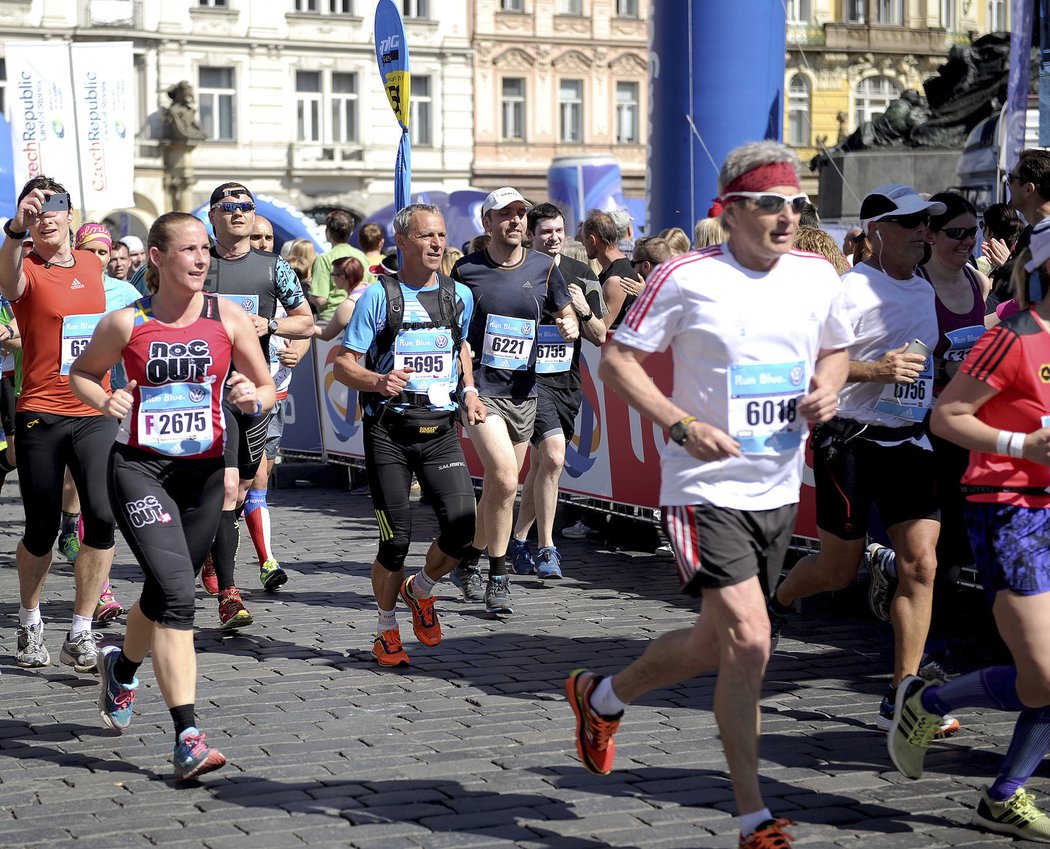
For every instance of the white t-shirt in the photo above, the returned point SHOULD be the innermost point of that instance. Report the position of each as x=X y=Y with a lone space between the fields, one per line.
x=745 y=344
x=886 y=313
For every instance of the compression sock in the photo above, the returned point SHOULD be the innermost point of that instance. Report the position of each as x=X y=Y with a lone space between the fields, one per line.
x=497 y=565
x=184 y=716
x=257 y=518
x=993 y=687
x=69 y=523
x=1028 y=747
x=224 y=549
x=125 y=668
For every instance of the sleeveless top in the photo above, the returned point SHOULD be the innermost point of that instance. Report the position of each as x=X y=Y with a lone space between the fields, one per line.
x=181 y=371
x=956 y=332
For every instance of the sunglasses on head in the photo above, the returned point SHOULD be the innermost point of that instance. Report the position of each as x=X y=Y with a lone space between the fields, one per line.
x=957 y=234
x=772 y=202
x=909 y=222
x=233 y=206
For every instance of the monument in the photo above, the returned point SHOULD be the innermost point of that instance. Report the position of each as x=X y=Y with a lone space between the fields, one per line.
x=180 y=134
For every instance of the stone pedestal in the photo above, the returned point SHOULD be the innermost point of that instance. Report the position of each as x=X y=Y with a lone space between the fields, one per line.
x=929 y=171
x=178 y=173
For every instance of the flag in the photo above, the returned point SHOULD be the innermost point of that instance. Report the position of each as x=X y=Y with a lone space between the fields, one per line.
x=1017 y=86
x=392 y=56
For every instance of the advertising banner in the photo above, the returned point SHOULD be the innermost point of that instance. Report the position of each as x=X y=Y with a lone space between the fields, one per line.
x=302 y=422
x=340 y=412
x=394 y=68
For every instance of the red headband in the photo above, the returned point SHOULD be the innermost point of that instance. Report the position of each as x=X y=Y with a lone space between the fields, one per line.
x=762 y=178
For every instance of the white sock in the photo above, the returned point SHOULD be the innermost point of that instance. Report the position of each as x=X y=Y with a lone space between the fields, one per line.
x=387 y=619
x=80 y=623
x=422 y=584
x=604 y=700
x=749 y=823
x=29 y=616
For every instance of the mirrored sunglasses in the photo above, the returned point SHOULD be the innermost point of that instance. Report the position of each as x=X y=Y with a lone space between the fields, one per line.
x=908 y=222
x=771 y=201
x=233 y=206
x=957 y=234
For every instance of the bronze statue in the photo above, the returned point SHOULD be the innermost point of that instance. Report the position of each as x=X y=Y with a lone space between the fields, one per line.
x=180 y=118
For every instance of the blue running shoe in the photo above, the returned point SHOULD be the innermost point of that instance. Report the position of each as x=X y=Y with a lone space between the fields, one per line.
x=192 y=756
x=115 y=700
x=521 y=557
x=548 y=563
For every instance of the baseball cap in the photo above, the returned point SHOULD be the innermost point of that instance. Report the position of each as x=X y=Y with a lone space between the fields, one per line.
x=501 y=198
x=134 y=243
x=225 y=190
x=1040 y=245
x=895 y=199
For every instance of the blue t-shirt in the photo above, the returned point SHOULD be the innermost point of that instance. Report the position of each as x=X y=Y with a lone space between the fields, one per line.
x=119 y=294
x=427 y=351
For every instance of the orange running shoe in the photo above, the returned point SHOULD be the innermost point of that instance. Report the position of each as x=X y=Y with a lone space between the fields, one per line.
x=425 y=623
x=387 y=649
x=209 y=580
x=594 y=733
x=770 y=835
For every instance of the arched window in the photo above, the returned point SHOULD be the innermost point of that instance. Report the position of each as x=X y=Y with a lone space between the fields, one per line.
x=798 y=112
x=874 y=94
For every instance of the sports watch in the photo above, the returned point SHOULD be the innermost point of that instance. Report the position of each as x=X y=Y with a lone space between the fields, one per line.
x=272 y=325
x=679 y=431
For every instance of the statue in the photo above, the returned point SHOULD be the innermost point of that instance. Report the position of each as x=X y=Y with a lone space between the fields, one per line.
x=180 y=118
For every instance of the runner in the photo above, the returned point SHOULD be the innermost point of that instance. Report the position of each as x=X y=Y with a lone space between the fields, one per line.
x=758 y=334
x=166 y=490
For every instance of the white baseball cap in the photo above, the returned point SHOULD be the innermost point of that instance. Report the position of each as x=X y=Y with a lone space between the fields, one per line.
x=895 y=199
x=501 y=198
x=134 y=243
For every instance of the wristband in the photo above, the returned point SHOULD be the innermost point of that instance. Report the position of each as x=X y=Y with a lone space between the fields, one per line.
x=14 y=234
x=467 y=389
x=1002 y=442
x=1016 y=447
x=258 y=408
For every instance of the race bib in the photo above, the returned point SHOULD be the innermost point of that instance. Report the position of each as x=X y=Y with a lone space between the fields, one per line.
x=76 y=333
x=960 y=342
x=508 y=342
x=176 y=419
x=428 y=353
x=553 y=354
x=763 y=406
x=909 y=401
x=281 y=374
x=248 y=303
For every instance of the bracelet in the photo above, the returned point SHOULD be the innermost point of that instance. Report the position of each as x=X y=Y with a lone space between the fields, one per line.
x=258 y=408
x=1016 y=447
x=467 y=389
x=14 y=235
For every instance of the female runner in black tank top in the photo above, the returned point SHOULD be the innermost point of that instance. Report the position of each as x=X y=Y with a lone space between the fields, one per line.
x=166 y=468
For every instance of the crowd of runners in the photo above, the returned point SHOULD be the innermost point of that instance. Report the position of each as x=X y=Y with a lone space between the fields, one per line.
x=142 y=388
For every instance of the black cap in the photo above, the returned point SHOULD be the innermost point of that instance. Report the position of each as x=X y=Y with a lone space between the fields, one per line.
x=226 y=189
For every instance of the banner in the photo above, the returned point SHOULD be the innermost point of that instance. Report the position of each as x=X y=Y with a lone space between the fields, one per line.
x=302 y=422
x=340 y=412
x=1017 y=85
x=392 y=56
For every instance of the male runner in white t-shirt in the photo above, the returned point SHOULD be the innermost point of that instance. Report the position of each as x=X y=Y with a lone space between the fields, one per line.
x=759 y=335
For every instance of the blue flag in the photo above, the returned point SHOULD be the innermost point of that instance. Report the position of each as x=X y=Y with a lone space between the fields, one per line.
x=392 y=56
x=1017 y=84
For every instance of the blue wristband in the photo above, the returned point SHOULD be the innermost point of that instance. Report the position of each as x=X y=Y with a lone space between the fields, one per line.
x=258 y=408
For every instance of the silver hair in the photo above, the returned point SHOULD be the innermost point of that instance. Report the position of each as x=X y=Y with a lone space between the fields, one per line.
x=403 y=217
x=749 y=156
x=622 y=219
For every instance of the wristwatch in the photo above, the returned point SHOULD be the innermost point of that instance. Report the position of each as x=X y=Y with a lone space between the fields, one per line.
x=585 y=318
x=272 y=326
x=14 y=234
x=679 y=431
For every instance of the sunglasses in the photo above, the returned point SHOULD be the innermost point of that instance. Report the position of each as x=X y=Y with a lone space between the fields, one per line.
x=233 y=206
x=957 y=234
x=636 y=262
x=772 y=202
x=1012 y=178
x=908 y=222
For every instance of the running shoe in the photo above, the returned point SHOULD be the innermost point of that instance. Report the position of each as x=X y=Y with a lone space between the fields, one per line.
x=594 y=733
x=387 y=649
x=548 y=563
x=949 y=724
x=209 y=579
x=577 y=531
x=521 y=557
x=31 y=651
x=232 y=612
x=425 y=623
x=882 y=587
x=81 y=652
x=115 y=699
x=769 y=835
x=467 y=577
x=108 y=608
x=193 y=757
x=272 y=576
x=1017 y=816
x=777 y=621
x=913 y=728
x=497 y=594
x=69 y=546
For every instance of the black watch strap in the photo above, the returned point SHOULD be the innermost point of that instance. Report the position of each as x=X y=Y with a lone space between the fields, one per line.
x=14 y=234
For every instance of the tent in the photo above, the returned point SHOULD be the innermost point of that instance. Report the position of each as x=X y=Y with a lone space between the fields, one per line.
x=288 y=222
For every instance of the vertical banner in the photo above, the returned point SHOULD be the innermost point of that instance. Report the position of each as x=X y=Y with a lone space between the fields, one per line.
x=102 y=75
x=1017 y=87
x=1044 y=73
x=392 y=56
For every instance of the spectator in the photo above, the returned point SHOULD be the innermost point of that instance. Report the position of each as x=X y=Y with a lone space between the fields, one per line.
x=338 y=225
x=709 y=231
x=371 y=238
x=816 y=241
x=677 y=238
x=448 y=259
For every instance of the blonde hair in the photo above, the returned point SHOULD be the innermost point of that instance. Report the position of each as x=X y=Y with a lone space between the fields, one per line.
x=708 y=232
x=816 y=241
x=448 y=259
x=301 y=254
x=159 y=237
x=677 y=239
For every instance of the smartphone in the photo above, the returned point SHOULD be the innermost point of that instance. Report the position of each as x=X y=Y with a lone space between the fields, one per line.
x=917 y=346
x=56 y=202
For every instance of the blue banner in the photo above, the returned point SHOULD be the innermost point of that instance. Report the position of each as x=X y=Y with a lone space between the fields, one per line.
x=392 y=56
x=1017 y=88
x=302 y=420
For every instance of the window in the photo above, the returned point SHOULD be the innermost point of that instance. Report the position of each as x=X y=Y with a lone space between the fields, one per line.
x=215 y=94
x=854 y=11
x=344 y=107
x=948 y=14
x=570 y=109
x=996 y=15
x=874 y=94
x=308 y=105
x=331 y=7
x=213 y=4
x=421 y=109
x=798 y=112
x=627 y=113
x=3 y=86
x=798 y=11
x=512 y=5
x=888 y=12
x=627 y=8
x=570 y=7
x=415 y=8
x=512 y=109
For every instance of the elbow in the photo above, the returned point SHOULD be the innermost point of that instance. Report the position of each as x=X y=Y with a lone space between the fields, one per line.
x=939 y=423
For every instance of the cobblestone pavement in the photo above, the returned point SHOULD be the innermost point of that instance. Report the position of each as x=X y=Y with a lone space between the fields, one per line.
x=472 y=745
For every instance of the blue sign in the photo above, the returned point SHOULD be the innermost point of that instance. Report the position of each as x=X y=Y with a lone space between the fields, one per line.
x=302 y=421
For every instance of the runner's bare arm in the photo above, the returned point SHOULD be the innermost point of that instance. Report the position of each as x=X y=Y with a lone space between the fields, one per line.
x=349 y=371
x=829 y=376
x=894 y=367
x=247 y=360
x=12 y=281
